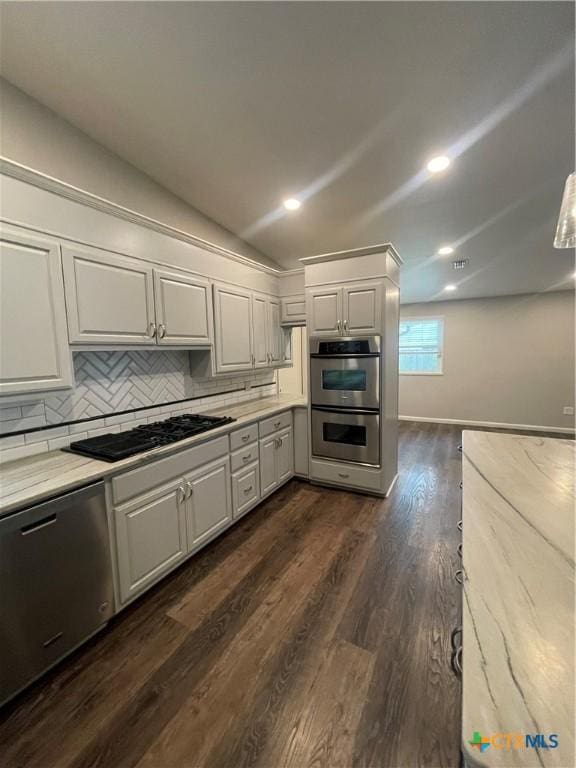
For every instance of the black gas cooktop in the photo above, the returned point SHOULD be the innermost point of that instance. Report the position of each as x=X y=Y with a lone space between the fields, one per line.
x=117 y=446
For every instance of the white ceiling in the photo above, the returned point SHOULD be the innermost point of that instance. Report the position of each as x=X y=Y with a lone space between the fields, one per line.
x=234 y=106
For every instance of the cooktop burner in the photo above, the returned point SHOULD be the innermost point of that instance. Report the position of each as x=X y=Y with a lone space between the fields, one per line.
x=117 y=446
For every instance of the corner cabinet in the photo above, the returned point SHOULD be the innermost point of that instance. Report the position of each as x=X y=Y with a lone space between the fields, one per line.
x=247 y=331
x=353 y=309
x=117 y=300
x=34 y=354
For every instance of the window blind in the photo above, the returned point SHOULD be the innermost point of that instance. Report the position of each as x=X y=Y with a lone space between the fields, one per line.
x=421 y=342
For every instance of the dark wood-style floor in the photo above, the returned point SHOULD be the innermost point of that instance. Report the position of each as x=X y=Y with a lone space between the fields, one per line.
x=316 y=632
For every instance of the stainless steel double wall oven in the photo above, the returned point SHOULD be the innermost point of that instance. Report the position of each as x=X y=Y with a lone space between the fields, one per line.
x=345 y=396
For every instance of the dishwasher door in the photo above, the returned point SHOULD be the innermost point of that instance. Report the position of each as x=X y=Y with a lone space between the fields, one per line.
x=55 y=583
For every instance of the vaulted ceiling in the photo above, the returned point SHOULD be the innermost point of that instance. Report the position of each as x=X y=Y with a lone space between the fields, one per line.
x=236 y=106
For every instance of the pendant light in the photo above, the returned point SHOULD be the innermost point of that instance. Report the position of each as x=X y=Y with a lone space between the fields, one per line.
x=566 y=229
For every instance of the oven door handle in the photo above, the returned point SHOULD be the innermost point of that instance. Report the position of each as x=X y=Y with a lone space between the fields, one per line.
x=351 y=411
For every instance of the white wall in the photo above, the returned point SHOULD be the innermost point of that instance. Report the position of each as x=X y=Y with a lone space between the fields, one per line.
x=34 y=136
x=507 y=360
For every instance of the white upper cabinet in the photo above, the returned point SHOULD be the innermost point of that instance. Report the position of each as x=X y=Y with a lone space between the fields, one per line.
x=324 y=311
x=353 y=309
x=233 y=328
x=110 y=299
x=34 y=354
x=293 y=309
x=362 y=308
x=260 y=331
x=275 y=333
x=183 y=309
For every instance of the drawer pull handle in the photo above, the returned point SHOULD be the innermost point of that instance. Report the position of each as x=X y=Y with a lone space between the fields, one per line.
x=248 y=490
x=152 y=331
x=459 y=525
x=245 y=438
x=182 y=493
x=31 y=527
x=459 y=576
x=453 y=637
x=247 y=458
x=460 y=551
x=52 y=640
x=343 y=474
x=456 y=662
x=277 y=424
x=190 y=489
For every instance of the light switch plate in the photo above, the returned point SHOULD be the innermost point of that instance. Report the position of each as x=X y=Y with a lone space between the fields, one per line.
x=568 y=410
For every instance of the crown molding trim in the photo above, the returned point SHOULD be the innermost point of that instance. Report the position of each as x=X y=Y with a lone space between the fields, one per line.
x=41 y=180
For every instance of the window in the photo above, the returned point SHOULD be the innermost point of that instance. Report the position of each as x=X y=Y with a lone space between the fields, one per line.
x=421 y=341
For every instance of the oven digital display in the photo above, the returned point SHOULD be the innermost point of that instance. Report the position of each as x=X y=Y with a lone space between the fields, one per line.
x=342 y=380
x=348 y=434
x=348 y=347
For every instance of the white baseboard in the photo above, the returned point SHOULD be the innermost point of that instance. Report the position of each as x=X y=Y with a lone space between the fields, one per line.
x=493 y=424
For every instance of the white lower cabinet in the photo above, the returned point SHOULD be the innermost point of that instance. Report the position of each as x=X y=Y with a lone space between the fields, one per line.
x=209 y=507
x=163 y=514
x=245 y=489
x=276 y=460
x=151 y=538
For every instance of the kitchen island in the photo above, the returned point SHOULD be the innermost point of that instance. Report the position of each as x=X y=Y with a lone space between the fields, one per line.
x=518 y=600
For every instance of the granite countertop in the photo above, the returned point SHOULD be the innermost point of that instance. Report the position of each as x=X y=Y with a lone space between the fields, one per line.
x=518 y=601
x=30 y=480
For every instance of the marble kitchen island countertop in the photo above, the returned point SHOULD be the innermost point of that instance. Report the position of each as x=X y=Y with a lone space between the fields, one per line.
x=518 y=601
x=27 y=481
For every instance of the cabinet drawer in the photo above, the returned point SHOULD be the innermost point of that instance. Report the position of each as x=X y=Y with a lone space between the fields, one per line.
x=245 y=489
x=344 y=474
x=274 y=423
x=244 y=436
x=244 y=456
x=156 y=473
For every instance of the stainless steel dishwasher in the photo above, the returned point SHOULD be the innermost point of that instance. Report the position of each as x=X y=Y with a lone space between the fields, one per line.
x=55 y=583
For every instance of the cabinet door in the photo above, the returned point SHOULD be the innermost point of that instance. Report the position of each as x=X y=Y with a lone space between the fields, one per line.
x=233 y=329
x=267 y=465
x=109 y=299
x=284 y=456
x=245 y=489
x=362 y=308
x=183 y=309
x=275 y=332
x=293 y=310
x=324 y=311
x=151 y=538
x=34 y=353
x=260 y=331
x=301 y=441
x=209 y=504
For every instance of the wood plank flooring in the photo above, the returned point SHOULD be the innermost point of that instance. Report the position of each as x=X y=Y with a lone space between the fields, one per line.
x=315 y=633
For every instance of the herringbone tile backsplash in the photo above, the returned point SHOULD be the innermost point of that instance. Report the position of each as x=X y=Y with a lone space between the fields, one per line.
x=110 y=382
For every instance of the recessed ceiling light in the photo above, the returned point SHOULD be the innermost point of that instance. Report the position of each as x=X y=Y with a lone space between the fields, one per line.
x=292 y=204
x=438 y=164
x=446 y=250
x=450 y=287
